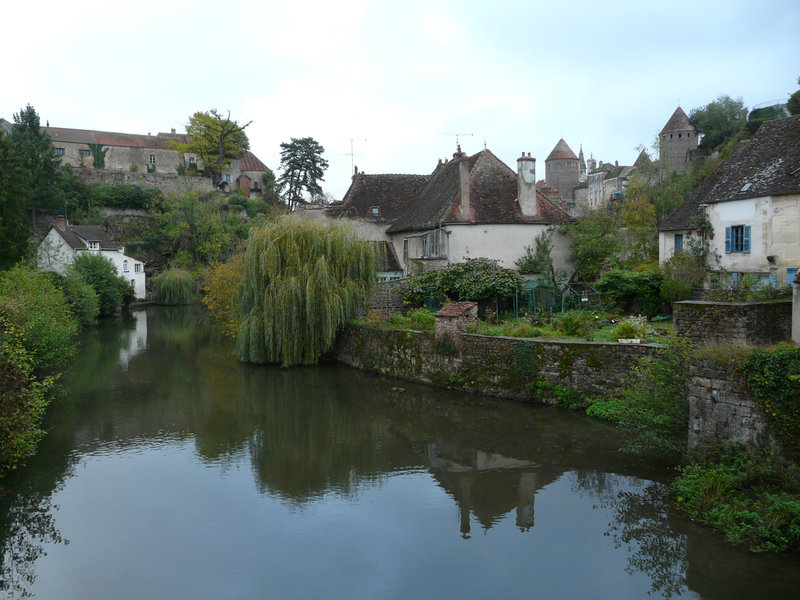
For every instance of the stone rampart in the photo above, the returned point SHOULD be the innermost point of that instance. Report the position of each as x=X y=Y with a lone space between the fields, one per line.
x=166 y=182
x=741 y=323
x=496 y=366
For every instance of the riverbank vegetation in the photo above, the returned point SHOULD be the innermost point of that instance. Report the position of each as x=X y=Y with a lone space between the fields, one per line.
x=37 y=339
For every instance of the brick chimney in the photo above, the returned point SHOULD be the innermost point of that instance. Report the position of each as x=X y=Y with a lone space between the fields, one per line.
x=61 y=222
x=463 y=182
x=526 y=185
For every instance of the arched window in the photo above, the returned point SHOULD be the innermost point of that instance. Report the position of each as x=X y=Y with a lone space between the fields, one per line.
x=125 y=266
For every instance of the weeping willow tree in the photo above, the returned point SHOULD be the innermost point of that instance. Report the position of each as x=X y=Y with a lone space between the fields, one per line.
x=301 y=282
x=173 y=286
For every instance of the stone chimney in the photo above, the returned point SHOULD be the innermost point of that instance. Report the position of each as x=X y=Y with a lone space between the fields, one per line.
x=61 y=222
x=526 y=185
x=463 y=182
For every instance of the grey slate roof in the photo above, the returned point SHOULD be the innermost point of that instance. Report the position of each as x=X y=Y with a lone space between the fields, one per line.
x=392 y=194
x=677 y=122
x=766 y=165
x=77 y=236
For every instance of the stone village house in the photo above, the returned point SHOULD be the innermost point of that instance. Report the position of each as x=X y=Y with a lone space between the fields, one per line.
x=752 y=203
x=64 y=242
x=468 y=207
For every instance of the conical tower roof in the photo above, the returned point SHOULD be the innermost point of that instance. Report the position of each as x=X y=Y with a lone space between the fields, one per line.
x=677 y=121
x=561 y=151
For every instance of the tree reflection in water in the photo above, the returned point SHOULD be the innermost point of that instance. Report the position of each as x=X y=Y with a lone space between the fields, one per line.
x=27 y=527
x=641 y=523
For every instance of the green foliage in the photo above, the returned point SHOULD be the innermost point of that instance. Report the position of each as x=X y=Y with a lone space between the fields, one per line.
x=14 y=227
x=215 y=140
x=750 y=498
x=444 y=345
x=98 y=155
x=124 y=196
x=570 y=323
x=654 y=408
x=173 y=286
x=538 y=260
x=560 y=395
x=674 y=290
x=685 y=268
x=80 y=296
x=302 y=281
x=594 y=240
x=474 y=279
x=638 y=216
x=40 y=166
x=302 y=169
x=773 y=376
x=793 y=105
x=219 y=289
x=23 y=398
x=633 y=292
x=625 y=330
x=99 y=272
x=40 y=317
x=718 y=121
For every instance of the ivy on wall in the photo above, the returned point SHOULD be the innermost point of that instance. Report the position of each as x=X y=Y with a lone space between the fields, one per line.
x=773 y=376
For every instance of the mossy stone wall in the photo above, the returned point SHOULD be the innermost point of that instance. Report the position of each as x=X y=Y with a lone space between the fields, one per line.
x=491 y=365
x=744 y=323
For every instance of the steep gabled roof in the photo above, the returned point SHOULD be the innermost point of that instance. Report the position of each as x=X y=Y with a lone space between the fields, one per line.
x=493 y=197
x=766 y=165
x=77 y=237
x=561 y=151
x=392 y=194
x=677 y=122
x=250 y=162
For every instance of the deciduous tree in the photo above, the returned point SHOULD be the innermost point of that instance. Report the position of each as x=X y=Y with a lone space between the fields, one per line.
x=303 y=168
x=216 y=140
x=718 y=121
x=301 y=282
x=14 y=230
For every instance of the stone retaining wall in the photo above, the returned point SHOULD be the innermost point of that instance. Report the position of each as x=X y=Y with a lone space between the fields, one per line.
x=166 y=182
x=722 y=411
x=386 y=297
x=496 y=366
x=742 y=323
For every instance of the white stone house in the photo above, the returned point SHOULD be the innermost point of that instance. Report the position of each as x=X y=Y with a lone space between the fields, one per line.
x=468 y=207
x=752 y=203
x=64 y=242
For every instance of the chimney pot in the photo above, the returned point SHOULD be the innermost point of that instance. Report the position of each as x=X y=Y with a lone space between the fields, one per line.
x=61 y=222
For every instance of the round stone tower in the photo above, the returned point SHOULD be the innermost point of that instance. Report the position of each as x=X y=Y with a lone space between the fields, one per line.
x=676 y=143
x=562 y=170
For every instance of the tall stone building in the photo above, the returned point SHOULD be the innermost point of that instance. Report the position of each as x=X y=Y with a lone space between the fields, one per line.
x=562 y=173
x=677 y=143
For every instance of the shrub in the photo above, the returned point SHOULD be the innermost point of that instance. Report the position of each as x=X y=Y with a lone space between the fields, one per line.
x=570 y=323
x=625 y=330
x=633 y=292
x=673 y=290
x=173 y=286
x=23 y=399
x=39 y=315
x=80 y=296
x=99 y=272
x=421 y=319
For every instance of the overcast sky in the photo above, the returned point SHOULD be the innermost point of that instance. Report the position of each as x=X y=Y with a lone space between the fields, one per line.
x=400 y=79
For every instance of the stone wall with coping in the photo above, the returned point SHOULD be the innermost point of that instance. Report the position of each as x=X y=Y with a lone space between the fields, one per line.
x=722 y=411
x=492 y=365
x=741 y=323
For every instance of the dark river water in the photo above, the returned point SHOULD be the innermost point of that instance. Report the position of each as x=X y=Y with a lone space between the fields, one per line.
x=172 y=471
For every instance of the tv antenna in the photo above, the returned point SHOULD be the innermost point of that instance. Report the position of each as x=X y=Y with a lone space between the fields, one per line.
x=457 y=135
x=352 y=153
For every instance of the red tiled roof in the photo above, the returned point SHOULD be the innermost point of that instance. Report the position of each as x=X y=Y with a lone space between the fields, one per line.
x=250 y=162
x=561 y=151
x=456 y=309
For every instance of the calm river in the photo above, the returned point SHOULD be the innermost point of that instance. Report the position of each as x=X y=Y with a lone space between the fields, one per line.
x=172 y=471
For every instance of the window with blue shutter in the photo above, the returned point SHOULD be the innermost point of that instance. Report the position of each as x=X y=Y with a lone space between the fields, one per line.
x=737 y=239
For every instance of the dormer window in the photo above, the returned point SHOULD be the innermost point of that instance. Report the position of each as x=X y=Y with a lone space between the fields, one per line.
x=94 y=245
